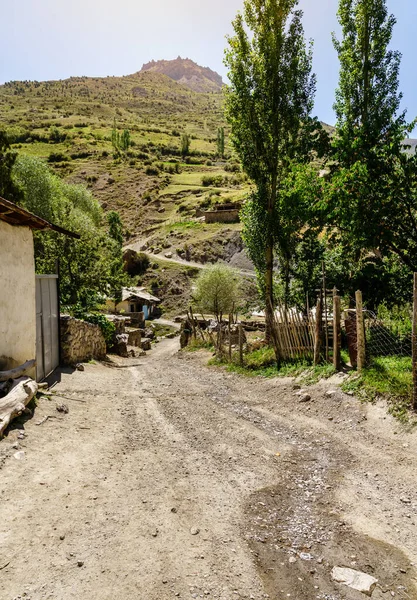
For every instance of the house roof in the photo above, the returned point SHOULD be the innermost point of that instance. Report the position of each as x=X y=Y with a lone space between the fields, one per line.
x=16 y=215
x=138 y=292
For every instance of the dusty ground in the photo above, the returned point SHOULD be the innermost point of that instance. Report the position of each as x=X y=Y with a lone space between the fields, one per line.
x=170 y=479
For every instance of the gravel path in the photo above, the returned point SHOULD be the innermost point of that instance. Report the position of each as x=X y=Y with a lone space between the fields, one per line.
x=168 y=479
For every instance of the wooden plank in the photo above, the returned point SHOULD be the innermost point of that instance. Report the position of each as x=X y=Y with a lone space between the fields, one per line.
x=317 y=336
x=337 y=361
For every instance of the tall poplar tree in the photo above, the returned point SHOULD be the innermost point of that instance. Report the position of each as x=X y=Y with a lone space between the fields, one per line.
x=368 y=97
x=372 y=198
x=268 y=102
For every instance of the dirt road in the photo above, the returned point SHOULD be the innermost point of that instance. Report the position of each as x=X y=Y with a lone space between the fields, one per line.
x=168 y=479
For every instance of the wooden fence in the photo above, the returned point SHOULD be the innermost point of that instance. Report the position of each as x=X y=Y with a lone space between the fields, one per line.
x=293 y=333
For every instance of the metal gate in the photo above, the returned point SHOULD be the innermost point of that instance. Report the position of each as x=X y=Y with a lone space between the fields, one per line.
x=47 y=325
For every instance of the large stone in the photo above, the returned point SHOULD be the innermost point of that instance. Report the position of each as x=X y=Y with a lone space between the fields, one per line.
x=135 y=337
x=355 y=580
x=145 y=344
x=120 y=344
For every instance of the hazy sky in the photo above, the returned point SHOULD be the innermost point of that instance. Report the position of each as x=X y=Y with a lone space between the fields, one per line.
x=54 y=39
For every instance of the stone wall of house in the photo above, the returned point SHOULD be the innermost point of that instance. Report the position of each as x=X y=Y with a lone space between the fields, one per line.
x=80 y=341
x=222 y=216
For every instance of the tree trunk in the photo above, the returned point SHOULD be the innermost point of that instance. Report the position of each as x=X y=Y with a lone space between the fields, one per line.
x=269 y=263
x=16 y=401
x=269 y=292
x=18 y=371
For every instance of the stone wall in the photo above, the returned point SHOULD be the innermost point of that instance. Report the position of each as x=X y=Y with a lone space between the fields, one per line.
x=222 y=216
x=80 y=341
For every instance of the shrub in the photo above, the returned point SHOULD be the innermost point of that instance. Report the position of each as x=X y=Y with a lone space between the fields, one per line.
x=212 y=180
x=152 y=170
x=57 y=157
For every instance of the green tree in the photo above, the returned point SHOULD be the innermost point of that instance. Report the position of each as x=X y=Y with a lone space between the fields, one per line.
x=115 y=137
x=268 y=105
x=125 y=141
x=8 y=188
x=372 y=196
x=90 y=267
x=220 y=142
x=185 y=144
x=217 y=290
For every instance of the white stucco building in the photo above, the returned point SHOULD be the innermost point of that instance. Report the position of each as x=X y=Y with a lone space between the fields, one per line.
x=18 y=327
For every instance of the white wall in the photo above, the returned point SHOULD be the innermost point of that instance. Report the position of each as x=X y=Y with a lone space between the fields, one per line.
x=17 y=296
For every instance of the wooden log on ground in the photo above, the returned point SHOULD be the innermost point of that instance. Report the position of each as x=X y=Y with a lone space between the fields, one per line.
x=16 y=401
x=18 y=371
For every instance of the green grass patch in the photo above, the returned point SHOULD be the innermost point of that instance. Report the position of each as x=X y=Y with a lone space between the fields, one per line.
x=185 y=225
x=262 y=363
x=389 y=377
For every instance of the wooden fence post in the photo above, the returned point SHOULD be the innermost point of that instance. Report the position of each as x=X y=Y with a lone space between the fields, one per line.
x=240 y=345
x=337 y=363
x=230 y=336
x=317 y=337
x=360 y=331
x=414 y=342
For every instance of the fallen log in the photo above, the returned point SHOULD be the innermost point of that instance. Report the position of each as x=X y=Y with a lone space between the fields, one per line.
x=18 y=371
x=16 y=401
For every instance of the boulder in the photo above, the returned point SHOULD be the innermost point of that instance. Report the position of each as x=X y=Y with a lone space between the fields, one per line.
x=145 y=344
x=120 y=345
x=355 y=580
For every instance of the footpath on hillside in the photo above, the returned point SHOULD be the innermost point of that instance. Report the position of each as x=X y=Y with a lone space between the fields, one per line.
x=170 y=479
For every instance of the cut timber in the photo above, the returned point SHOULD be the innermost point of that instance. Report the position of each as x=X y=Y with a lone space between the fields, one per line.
x=18 y=371
x=16 y=401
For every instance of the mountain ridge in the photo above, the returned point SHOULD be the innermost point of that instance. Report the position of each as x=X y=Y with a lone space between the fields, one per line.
x=188 y=73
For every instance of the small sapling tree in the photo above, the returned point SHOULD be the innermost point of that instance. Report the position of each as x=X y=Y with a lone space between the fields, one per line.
x=218 y=290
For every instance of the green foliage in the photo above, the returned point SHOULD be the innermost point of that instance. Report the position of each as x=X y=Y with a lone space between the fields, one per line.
x=125 y=141
x=121 y=142
x=217 y=290
x=212 y=180
x=107 y=327
x=91 y=266
x=388 y=377
x=136 y=263
x=56 y=136
x=220 y=142
x=268 y=105
x=8 y=188
x=372 y=176
x=185 y=144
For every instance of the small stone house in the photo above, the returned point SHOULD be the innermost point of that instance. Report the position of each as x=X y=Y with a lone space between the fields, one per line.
x=21 y=332
x=135 y=300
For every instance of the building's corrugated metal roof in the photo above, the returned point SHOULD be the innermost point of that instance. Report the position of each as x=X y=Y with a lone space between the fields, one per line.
x=16 y=215
x=138 y=292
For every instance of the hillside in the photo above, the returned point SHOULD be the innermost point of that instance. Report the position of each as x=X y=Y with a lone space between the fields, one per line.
x=188 y=73
x=156 y=190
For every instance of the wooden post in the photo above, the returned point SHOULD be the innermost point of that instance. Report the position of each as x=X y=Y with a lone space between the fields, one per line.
x=317 y=337
x=326 y=330
x=360 y=331
x=337 y=363
x=230 y=336
x=414 y=342
x=240 y=345
x=193 y=323
x=220 y=342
